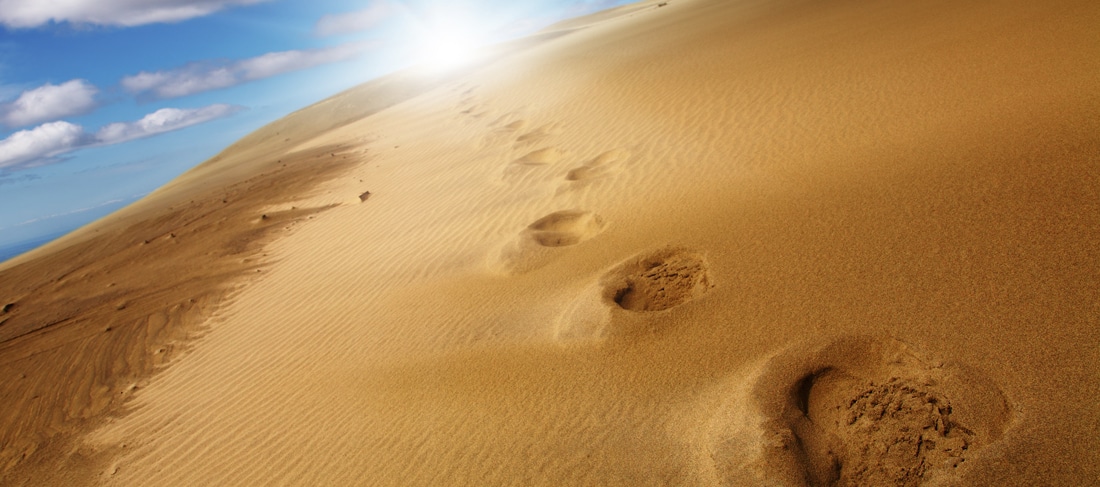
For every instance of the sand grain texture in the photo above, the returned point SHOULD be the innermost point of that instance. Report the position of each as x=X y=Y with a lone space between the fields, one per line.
x=711 y=243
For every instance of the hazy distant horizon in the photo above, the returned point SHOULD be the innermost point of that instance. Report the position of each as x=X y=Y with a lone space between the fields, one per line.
x=47 y=230
x=9 y=252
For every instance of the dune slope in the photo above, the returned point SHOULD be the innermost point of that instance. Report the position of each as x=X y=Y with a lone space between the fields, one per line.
x=708 y=243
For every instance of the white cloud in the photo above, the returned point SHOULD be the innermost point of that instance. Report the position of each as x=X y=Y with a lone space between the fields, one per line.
x=160 y=121
x=194 y=78
x=27 y=148
x=127 y=13
x=144 y=81
x=274 y=63
x=350 y=22
x=49 y=102
x=43 y=144
x=198 y=77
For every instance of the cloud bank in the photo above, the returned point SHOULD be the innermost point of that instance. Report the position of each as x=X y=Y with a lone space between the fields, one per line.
x=124 y=13
x=49 y=102
x=43 y=144
x=200 y=77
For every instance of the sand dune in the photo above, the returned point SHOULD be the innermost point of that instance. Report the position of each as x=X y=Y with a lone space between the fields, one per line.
x=710 y=243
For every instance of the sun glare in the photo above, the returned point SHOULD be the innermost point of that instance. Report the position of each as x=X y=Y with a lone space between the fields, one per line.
x=446 y=51
x=447 y=45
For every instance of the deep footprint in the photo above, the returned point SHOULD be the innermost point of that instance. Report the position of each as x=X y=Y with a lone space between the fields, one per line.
x=865 y=411
x=622 y=304
x=659 y=281
x=890 y=433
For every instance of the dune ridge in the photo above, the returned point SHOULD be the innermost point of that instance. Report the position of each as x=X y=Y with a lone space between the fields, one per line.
x=708 y=243
x=81 y=340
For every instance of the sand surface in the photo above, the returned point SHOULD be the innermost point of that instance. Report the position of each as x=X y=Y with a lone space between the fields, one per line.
x=715 y=242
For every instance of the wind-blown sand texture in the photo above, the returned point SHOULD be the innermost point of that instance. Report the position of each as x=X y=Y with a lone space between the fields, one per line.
x=711 y=243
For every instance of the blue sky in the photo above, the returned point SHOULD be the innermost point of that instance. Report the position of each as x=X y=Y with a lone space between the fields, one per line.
x=102 y=101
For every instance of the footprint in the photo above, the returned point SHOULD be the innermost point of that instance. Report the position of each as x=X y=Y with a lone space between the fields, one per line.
x=498 y=134
x=584 y=173
x=548 y=155
x=473 y=110
x=643 y=285
x=535 y=136
x=535 y=246
x=658 y=281
x=867 y=411
x=564 y=228
x=466 y=87
x=598 y=167
x=529 y=165
x=510 y=118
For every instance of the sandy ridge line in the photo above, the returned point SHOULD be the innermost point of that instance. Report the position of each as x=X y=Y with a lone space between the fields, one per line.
x=133 y=300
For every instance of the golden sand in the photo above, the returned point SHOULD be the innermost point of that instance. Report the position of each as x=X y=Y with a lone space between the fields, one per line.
x=708 y=243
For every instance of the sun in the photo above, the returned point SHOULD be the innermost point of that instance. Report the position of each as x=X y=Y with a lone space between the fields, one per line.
x=446 y=50
x=447 y=43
